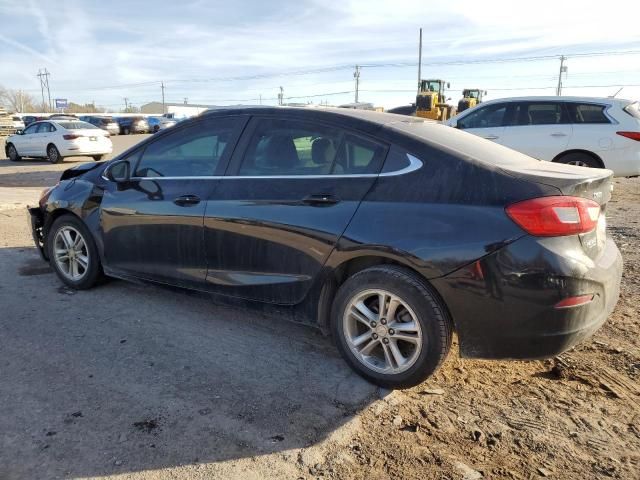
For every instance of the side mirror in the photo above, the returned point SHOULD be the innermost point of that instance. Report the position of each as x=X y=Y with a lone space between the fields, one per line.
x=119 y=171
x=19 y=131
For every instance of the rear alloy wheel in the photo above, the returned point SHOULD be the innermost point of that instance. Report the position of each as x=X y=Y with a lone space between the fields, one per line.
x=389 y=326
x=53 y=154
x=579 y=159
x=12 y=153
x=72 y=253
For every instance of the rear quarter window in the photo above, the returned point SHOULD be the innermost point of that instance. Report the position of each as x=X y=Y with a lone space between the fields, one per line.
x=587 y=113
x=633 y=110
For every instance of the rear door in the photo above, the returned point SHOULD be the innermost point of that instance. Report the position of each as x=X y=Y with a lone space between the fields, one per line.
x=290 y=192
x=539 y=129
x=486 y=122
x=153 y=225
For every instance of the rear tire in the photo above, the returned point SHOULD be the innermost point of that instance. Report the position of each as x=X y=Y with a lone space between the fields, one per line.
x=12 y=153
x=98 y=158
x=579 y=159
x=81 y=269
x=156 y=129
x=126 y=131
x=53 y=155
x=417 y=326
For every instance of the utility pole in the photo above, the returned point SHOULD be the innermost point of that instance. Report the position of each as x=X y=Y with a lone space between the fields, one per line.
x=164 y=110
x=126 y=105
x=281 y=96
x=563 y=69
x=260 y=99
x=43 y=75
x=419 y=60
x=356 y=75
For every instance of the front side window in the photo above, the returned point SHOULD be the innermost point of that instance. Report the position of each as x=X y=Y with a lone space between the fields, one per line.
x=490 y=116
x=31 y=129
x=587 y=113
x=45 y=127
x=193 y=151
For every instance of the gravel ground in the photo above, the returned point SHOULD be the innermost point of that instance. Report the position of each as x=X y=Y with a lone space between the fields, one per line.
x=138 y=381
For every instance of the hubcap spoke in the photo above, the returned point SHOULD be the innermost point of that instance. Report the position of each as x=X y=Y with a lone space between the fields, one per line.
x=366 y=311
x=366 y=350
x=83 y=261
x=359 y=340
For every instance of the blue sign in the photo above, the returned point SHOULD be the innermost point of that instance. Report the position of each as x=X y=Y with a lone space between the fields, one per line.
x=61 y=103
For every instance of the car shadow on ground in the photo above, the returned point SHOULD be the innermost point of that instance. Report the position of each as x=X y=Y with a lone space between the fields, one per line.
x=127 y=377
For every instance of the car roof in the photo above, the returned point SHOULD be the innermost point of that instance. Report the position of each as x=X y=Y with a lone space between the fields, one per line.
x=554 y=98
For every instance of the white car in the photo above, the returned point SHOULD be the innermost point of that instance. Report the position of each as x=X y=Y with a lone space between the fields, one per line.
x=59 y=138
x=584 y=131
x=18 y=124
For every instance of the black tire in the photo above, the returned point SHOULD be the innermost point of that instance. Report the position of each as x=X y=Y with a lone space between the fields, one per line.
x=580 y=159
x=126 y=131
x=12 y=153
x=98 y=158
x=93 y=273
x=53 y=155
x=417 y=294
x=156 y=129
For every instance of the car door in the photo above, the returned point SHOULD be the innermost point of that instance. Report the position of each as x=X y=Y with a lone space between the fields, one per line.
x=153 y=225
x=540 y=129
x=24 y=142
x=486 y=121
x=42 y=138
x=290 y=192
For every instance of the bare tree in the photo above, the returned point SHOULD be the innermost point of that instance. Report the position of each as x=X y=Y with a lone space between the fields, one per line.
x=18 y=101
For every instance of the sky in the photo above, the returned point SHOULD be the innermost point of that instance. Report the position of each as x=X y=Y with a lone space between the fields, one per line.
x=222 y=53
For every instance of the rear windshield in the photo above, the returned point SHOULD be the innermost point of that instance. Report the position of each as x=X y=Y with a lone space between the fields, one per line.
x=76 y=125
x=633 y=110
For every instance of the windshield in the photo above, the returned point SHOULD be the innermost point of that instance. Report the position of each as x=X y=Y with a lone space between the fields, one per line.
x=633 y=110
x=77 y=125
x=430 y=86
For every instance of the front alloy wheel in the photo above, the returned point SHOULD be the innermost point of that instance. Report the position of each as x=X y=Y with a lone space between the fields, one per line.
x=71 y=253
x=13 y=153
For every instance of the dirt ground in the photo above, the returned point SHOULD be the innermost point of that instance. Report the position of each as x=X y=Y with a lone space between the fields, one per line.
x=137 y=381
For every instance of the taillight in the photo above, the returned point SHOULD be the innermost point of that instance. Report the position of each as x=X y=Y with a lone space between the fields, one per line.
x=71 y=136
x=555 y=216
x=631 y=135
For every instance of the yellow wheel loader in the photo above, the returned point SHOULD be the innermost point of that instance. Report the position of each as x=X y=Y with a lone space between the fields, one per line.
x=470 y=98
x=431 y=101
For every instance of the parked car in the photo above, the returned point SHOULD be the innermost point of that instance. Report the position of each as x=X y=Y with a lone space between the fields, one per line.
x=160 y=123
x=132 y=125
x=585 y=131
x=105 y=123
x=388 y=233
x=18 y=124
x=59 y=138
x=404 y=110
x=29 y=119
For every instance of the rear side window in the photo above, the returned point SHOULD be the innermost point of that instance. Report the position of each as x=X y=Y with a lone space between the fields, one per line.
x=194 y=151
x=587 y=113
x=490 y=116
x=280 y=147
x=77 y=125
x=538 y=113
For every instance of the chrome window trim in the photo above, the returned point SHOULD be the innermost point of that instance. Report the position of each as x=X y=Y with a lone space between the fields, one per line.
x=414 y=164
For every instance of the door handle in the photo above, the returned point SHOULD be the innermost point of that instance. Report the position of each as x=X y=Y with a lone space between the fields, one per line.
x=492 y=137
x=558 y=134
x=322 y=199
x=187 y=200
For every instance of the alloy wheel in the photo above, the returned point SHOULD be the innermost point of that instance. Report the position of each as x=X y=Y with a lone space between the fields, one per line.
x=71 y=253
x=382 y=331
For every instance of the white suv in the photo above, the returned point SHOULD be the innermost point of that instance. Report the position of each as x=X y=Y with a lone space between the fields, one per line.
x=585 y=131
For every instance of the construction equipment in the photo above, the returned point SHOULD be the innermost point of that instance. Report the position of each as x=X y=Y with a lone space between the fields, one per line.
x=431 y=101
x=470 y=98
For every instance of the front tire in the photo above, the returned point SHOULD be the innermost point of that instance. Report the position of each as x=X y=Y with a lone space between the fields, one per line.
x=73 y=253
x=400 y=344
x=98 y=158
x=12 y=153
x=53 y=155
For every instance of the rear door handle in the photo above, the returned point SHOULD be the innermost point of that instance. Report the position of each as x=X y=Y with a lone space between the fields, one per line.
x=187 y=200
x=558 y=134
x=321 y=199
x=492 y=137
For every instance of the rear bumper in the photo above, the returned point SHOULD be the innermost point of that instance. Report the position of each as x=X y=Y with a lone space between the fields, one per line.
x=504 y=308
x=36 y=220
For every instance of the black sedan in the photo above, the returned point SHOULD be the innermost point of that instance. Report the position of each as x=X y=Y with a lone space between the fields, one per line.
x=388 y=232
